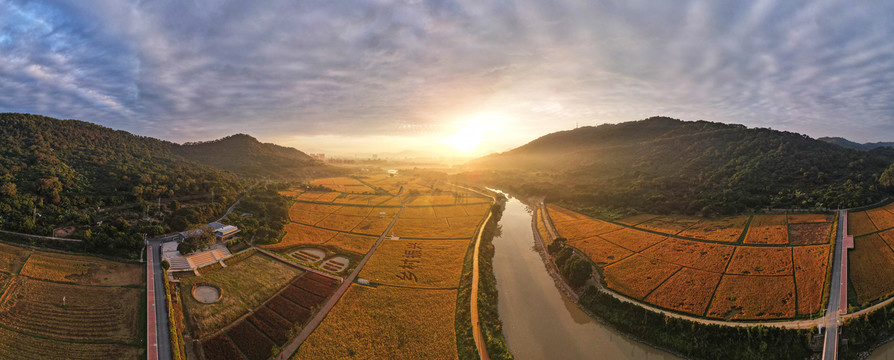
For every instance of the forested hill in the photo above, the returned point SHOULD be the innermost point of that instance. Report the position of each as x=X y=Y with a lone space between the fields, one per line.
x=246 y=156
x=666 y=165
x=854 y=145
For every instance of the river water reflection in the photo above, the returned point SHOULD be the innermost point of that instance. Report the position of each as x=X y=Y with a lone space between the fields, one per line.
x=539 y=321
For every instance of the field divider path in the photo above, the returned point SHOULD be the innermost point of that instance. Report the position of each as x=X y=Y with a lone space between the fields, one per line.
x=563 y=285
x=476 y=323
x=289 y=349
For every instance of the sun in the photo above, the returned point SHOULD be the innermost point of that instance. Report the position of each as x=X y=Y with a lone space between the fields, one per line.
x=467 y=138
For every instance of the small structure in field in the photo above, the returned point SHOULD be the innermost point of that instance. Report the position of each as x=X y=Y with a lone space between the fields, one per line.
x=226 y=232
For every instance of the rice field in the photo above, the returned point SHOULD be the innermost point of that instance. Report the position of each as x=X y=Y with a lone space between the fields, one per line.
x=699 y=255
x=601 y=251
x=635 y=240
x=749 y=260
x=859 y=224
x=638 y=275
x=688 y=291
x=811 y=264
x=417 y=263
x=386 y=323
x=749 y=297
x=870 y=258
x=723 y=230
x=768 y=230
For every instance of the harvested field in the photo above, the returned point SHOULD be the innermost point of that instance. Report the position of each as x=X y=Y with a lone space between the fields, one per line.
x=723 y=230
x=89 y=313
x=809 y=233
x=881 y=218
x=355 y=243
x=637 y=219
x=740 y=297
x=417 y=263
x=84 y=270
x=14 y=345
x=635 y=240
x=601 y=251
x=750 y=260
x=870 y=257
x=386 y=323
x=12 y=258
x=668 y=224
x=243 y=285
x=638 y=275
x=297 y=234
x=859 y=224
x=688 y=291
x=694 y=254
x=768 y=230
x=811 y=264
x=809 y=218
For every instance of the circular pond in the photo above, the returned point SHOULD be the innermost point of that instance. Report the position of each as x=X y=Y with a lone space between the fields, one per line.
x=207 y=294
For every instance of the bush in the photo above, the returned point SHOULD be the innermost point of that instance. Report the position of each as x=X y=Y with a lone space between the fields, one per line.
x=165 y=264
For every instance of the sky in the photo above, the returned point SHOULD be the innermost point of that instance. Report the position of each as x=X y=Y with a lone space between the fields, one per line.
x=474 y=76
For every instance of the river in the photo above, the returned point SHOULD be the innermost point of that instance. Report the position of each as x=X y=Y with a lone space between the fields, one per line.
x=886 y=352
x=539 y=321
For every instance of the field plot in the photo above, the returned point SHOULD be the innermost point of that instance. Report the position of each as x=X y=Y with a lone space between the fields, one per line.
x=340 y=222
x=869 y=258
x=377 y=221
x=638 y=275
x=12 y=258
x=386 y=323
x=749 y=260
x=89 y=313
x=859 y=224
x=344 y=184
x=809 y=233
x=637 y=219
x=810 y=218
x=688 y=291
x=601 y=251
x=768 y=230
x=418 y=212
x=635 y=240
x=560 y=215
x=359 y=199
x=436 y=228
x=811 y=264
x=541 y=228
x=82 y=270
x=668 y=224
x=881 y=218
x=694 y=254
x=244 y=285
x=310 y=213
x=740 y=297
x=722 y=230
x=360 y=244
x=417 y=263
x=579 y=229
x=297 y=234
x=14 y=345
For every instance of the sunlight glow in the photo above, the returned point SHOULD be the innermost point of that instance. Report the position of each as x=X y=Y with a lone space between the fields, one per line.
x=470 y=135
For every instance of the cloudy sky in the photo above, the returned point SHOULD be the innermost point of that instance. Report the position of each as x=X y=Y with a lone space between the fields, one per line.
x=343 y=76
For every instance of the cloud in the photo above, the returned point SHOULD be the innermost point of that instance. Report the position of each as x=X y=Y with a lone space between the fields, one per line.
x=311 y=69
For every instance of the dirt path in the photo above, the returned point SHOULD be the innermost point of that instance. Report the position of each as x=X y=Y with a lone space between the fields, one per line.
x=476 y=323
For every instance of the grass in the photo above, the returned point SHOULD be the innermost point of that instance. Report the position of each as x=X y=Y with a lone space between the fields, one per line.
x=244 y=285
x=386 y=322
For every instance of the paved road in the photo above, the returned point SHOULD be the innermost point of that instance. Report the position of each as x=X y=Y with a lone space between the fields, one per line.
x=158 y=303
x=830 y=349
x=476 y=323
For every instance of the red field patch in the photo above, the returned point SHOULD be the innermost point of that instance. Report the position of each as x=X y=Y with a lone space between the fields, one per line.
x=740 y=297
x=750 y=260
x=688 y=291
x=809 y=233
x=694 y=254
x=638 y=275
x=811 y=263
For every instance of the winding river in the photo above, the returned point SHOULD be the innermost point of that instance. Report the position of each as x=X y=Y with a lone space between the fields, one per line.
x=539 y=321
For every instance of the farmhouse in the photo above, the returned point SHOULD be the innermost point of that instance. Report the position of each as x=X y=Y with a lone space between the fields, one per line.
x=226 y=232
